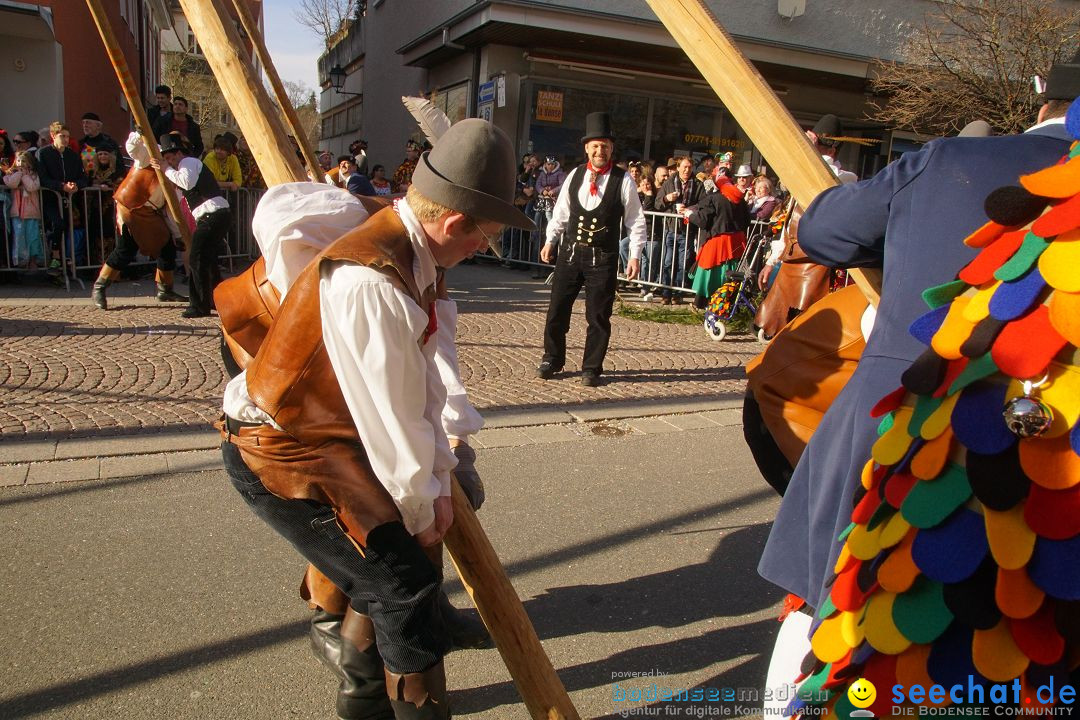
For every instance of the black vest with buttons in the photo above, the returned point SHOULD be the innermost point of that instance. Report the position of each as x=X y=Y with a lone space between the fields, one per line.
x=205 y=187
x=600 y=227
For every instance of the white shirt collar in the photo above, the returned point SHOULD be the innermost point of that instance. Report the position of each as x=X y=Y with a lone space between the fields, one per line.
x=1044 y=123
x=424 y=269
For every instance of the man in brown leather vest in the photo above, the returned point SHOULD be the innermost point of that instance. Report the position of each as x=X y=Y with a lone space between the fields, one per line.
x=333 y=435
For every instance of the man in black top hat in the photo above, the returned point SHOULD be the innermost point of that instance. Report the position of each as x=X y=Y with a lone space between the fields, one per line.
x=596 y=202
x=211 y=211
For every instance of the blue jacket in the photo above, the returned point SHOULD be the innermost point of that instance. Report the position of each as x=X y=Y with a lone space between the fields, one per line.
x=910 y=219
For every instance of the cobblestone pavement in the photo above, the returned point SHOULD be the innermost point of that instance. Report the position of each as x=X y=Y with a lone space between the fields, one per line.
x=68 y=369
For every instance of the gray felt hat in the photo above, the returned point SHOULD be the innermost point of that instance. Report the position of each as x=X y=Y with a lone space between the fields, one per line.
x=472 y=170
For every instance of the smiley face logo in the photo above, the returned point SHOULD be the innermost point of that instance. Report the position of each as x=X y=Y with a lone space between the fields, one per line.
x=862 y=693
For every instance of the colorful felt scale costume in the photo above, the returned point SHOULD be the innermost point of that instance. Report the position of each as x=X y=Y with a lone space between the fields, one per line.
x=963 y=554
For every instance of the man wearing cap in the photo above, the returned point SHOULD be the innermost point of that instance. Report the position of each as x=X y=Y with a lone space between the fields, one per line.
x=597 y=201
x=211 y=211
x=334 y=435
x=724 y=161
x=910 y=219
x=744 y=177
x=358 y=149
x=93 y=140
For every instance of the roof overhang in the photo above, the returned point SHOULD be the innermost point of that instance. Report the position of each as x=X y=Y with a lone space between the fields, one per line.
x=23 y=20
x=567 y=31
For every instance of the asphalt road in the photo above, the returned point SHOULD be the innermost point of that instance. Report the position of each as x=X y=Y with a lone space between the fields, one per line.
x=164 y=597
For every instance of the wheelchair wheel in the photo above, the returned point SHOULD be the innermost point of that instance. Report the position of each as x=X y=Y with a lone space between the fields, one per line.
x=715 y=327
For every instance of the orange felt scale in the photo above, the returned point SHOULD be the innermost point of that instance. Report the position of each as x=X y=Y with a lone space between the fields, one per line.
x=981 y=270
x=911 y=667
x=1011 y=540
x=996 y=655
x=1025 y=347
x=846 y=594
x=1050 y=462
x=1065 y=315
x=898 y=572
x=1058 y=181
x=985 y=235
x=931 y=457
x=1016 y=595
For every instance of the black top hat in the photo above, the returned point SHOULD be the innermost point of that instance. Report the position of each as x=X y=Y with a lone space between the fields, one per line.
x=172 y=142
x=598 y=127
x=472 y=170
x=1063 y=83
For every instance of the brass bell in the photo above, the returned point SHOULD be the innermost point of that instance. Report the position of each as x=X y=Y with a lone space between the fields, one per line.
x=1027 y=416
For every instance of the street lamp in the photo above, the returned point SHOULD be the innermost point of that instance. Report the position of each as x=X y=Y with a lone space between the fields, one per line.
x=337 y=80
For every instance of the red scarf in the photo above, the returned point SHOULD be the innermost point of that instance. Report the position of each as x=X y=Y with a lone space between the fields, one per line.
x=594 y=175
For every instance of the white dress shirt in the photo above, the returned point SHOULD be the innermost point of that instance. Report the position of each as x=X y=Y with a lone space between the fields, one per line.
x=184 y=176
x=633 y=215
x=372 y=329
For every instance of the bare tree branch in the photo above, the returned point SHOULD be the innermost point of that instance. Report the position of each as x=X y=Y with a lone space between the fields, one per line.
x=326 y=18
x=974 y=59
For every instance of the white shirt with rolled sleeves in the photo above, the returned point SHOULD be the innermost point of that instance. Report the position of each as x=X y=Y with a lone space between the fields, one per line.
x=633 y=215
x=372 y=329
x=184 y=176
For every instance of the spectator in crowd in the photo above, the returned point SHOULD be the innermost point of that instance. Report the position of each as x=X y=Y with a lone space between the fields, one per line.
x=744 y=178
x=107 y=171
x=232 y=139
x=326 y=162
x=249 y=169
x=548 y=181
x=27 y=250
x=224 y=165
x=61 y=170
x=403 y=175
x=179 y=121
x=358 y=149
x=44 y=137
x=724 y=161
x=681 y=192
x=94 y=139
x=634 y=170
x=25 y=140
x=660 y=176
x=647 y=196
x=354 y=182
x=162 y=104
x=379 y=182
x=7 y=152
x=212 y=218
x=763 y=202
x=724 y=218
x=105 y=174
x=708 y=165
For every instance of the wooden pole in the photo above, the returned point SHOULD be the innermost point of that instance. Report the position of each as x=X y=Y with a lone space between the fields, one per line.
x=291 y=117
x=485 y=580
x=755 y=107
x=135 y=103
x=252 y=107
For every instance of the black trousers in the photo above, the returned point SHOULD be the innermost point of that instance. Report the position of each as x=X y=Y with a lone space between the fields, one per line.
x=126 y=250
x=580 y=266
x=772 y=463
x=393 y=581
x=206 y=246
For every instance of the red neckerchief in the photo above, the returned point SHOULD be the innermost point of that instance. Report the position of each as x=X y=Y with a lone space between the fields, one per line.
x=595 y=174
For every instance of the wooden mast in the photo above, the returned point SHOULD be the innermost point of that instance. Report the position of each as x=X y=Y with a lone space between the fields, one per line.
x=756 y=108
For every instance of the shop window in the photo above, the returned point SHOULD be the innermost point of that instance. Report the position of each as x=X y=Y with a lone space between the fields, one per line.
x=355 y=115
x=453 y=101
x=696 y=131
x=563 y=138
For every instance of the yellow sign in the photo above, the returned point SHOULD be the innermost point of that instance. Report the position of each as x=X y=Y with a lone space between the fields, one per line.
x=549 y=106
x=711 y=141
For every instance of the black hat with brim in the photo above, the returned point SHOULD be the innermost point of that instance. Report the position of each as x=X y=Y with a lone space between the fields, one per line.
x=1063 y=82
x=172 y=142
x=828 y=128
x=598 y=127
x=472 y=170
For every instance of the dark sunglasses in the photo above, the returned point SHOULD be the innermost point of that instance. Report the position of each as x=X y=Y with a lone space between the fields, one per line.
x=19 y=140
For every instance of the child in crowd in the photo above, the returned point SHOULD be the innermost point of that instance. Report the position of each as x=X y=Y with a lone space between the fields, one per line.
x=27 y=249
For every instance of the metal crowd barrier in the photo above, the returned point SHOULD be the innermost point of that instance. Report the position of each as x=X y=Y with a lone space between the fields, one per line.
x=670 y=250
x=87 y=221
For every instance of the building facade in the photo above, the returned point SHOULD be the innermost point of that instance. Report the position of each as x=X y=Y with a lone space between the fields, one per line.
x=53 y=65
x=536 y=68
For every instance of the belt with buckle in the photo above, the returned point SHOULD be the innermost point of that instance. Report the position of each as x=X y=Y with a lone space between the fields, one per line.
x=233 y=425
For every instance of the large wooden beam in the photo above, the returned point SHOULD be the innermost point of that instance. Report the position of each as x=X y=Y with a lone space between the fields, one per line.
x=293 y=120
x=252 y=107
x=135 y=104
x=485 y=580
x=755 y=107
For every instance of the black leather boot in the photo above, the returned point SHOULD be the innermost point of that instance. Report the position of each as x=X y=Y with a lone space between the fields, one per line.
x=325 y=638
x=466 y=632
x=419 y=696
x=362 y=692
x=165 y=293
x=97 y=295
